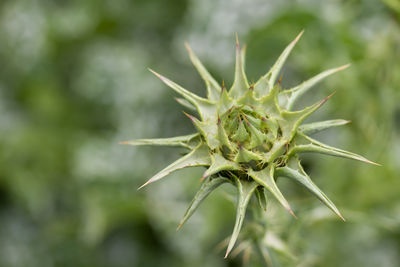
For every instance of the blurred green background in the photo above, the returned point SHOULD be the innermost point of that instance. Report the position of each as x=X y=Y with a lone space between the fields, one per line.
x=74 y=82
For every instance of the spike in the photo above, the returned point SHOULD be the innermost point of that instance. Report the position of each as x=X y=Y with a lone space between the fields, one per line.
x=281 y=60
x=265 y=178
x=205 y=108
x=240 y=83
x=292 y=119
x=315 y=127
x=245 y=190
x=318 y=147
x=172 y=141
x=197 y=157
x=208 y=185
x=301 y=177
x=267 y=81
x=299 y=90
x=213 y=88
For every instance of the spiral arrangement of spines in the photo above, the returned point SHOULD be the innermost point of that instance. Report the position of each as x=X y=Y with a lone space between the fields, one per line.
x=249 y=136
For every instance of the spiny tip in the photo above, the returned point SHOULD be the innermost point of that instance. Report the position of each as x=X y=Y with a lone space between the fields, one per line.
x=340 y=216
x=143 y=185
x=227 y=253
x=124 y=143
x=327 y=98
x=158 y=75
x=205 y=175
x=237 y=40
x=298 y=36
x=292 y=213
x=280 y=80
x=188 y=47
x=179 y=226
x=343 y=67
x=189 y=116
x=155 y=73
x=373 y=163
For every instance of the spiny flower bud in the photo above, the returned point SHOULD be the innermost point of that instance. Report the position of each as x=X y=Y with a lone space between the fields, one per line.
x=248 y=136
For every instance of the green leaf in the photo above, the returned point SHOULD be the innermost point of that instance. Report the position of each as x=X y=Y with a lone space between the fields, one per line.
x=245 y=190
x=172 y=141
x=266 y=82
x=240 y=84
x=213 y=88
x=208 y=185
x=198 y=157
x=219 y=163
x=299 y=90
x=315 y=127
x=265 y=178
x=297 y=174
x=205 y=108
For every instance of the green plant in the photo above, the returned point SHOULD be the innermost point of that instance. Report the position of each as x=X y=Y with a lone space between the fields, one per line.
x=249 y=136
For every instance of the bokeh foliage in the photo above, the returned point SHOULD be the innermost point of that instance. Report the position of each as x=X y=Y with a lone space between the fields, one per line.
x=74 y=82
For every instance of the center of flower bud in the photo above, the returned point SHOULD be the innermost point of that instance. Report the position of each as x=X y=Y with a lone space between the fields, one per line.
x=250 y=136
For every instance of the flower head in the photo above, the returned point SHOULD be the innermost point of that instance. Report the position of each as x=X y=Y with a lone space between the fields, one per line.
x=249 y=136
